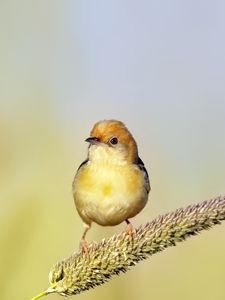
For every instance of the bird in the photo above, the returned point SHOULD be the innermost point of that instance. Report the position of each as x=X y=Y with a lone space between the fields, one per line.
x=112 y=184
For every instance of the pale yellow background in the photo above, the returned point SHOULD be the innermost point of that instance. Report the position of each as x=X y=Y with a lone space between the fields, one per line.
x=159 y=66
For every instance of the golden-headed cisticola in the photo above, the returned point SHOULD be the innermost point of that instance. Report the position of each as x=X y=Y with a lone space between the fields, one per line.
x=112 y=184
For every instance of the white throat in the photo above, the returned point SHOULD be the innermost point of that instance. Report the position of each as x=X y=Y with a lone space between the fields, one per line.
x=104 y=154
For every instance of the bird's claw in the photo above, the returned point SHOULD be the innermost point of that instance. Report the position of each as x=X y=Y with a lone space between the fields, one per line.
x=129 y=229
x=84 y=246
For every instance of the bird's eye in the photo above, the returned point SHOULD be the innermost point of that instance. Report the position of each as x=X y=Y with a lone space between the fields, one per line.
x=113 y=141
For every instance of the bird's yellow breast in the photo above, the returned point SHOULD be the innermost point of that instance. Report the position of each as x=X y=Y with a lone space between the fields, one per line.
x=107 y=180
x=108 y=193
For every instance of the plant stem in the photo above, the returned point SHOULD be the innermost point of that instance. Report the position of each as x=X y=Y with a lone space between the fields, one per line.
x=42 y=294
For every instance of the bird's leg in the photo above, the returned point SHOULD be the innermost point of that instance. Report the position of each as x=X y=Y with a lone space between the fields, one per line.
x=129 y=229
x=83 y=242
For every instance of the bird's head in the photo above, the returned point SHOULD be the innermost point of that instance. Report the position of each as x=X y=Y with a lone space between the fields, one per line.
x=110 y=140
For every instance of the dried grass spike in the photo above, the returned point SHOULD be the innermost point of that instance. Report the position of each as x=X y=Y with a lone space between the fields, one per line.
x=110 y=257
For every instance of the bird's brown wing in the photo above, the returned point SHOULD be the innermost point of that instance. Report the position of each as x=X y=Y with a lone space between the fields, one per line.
x=141 y=166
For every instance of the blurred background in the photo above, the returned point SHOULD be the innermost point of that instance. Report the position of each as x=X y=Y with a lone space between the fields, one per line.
x=159 y=66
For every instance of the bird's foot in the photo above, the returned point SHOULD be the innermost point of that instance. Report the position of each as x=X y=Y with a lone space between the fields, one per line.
x=129 y=229
x=84 y=246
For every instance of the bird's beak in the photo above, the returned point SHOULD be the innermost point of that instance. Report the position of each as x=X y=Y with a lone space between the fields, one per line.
x=92 y=140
